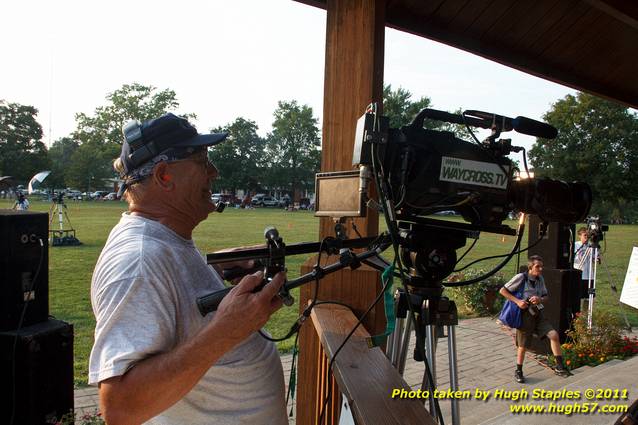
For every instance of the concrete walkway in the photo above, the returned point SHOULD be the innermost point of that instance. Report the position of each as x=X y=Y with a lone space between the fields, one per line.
x=486 y=360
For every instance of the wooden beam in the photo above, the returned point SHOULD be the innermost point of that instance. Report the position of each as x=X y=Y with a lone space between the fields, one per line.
x=353 y=79
x=364 y=374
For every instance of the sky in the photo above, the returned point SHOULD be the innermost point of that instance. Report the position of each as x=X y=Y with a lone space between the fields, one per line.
x=225 y=59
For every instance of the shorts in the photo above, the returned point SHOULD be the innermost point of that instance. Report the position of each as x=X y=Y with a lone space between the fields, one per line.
x=532 y=325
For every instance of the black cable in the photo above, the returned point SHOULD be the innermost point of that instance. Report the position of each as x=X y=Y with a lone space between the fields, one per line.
x=347 y=338
x=466 y=252
x=511 y=254
x=306 y=313
x=508 y=257
x=32 y=288
x=482 y=146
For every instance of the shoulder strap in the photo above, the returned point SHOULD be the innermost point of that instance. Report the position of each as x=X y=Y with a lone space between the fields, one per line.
x=521 y=288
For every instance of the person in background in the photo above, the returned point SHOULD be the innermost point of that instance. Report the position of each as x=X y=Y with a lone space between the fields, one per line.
x=582 y=261
x=534 y=296
x=21 y=203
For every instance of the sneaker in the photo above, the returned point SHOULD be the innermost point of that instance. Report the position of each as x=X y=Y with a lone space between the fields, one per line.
x=518 y=375
x=561 y=371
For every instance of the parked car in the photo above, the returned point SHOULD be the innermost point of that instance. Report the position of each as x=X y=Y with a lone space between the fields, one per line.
x=257 y=200
x=74 y=194
x=111 y=197
x=269 y=201
x=228 y=199
x=99 y=194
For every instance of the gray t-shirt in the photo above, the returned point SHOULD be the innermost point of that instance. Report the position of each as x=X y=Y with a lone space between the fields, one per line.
x=532 y=287
x=143 y=293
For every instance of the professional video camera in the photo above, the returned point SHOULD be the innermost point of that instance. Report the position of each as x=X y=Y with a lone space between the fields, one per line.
x=420 y=171
x=595 y=230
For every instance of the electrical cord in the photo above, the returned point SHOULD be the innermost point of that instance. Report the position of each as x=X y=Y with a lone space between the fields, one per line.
x=306 y=313
x=347 y=338
x=509 y=255
x=32 y=288
x=466 y=252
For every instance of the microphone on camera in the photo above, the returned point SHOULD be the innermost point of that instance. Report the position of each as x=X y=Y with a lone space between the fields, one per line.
x=534 y=128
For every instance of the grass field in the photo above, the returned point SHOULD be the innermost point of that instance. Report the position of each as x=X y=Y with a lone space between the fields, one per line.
x=70 y=268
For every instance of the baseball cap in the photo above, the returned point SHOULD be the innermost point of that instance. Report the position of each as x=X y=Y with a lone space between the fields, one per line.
x=166 y=138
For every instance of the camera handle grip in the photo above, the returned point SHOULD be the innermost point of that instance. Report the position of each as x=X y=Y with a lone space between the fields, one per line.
x=209 y=303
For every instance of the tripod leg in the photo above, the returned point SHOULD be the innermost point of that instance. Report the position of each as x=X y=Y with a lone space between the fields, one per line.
x=592 y=286
x=454 y=378
x=405 y=340
x=393 y=350
x=430 y=353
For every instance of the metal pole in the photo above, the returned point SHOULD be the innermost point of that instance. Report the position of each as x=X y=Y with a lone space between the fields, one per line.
x=430 y=352
x=592 y=285
x=402 y=356
x=454 y=378
x=394 y=347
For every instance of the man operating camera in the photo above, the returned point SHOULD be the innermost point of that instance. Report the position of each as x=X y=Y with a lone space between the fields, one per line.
x=155 y=358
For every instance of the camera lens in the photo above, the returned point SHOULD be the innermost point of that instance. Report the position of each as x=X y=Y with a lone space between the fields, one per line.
x=552 y=200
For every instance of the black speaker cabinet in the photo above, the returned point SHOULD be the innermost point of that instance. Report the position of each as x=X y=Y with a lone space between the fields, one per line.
x=556 y=247
x=24 y=267
x=37 y=379
x=564 y=303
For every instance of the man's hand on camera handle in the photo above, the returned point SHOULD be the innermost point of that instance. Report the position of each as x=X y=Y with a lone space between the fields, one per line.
x=244 y=311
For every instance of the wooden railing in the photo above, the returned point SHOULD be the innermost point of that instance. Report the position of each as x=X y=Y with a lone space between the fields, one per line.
x=362 y=374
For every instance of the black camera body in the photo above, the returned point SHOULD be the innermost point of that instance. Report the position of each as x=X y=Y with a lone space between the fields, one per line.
x=428 y=171
x=595 y=230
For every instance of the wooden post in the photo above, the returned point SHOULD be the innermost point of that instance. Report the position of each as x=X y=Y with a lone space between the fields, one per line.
x=353 y=79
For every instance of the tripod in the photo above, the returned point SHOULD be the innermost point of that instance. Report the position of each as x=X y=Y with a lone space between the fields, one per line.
x=432 y=313
x=61 y=236
x=590 y=259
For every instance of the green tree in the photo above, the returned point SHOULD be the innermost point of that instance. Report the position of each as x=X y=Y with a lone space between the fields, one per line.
x=398 y=107
x=22 y=153
x=131 y=101
x=597 y=143
x=90 y=167
x=100 y=134
x=239 y=157
x=293 y=148
x=60 y=157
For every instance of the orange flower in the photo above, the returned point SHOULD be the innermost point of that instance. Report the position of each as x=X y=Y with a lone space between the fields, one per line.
x=568 y=362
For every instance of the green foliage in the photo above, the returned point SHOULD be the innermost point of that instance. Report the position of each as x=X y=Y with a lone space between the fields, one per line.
x=131 y=101
x=22 y=153
x=398 y=107
x=597 y=142
x=293 y=154
x=603 y=342
x=100 y=134
x=91 y=165
x=60 y=155
x=238 y=159
x=480 y=298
